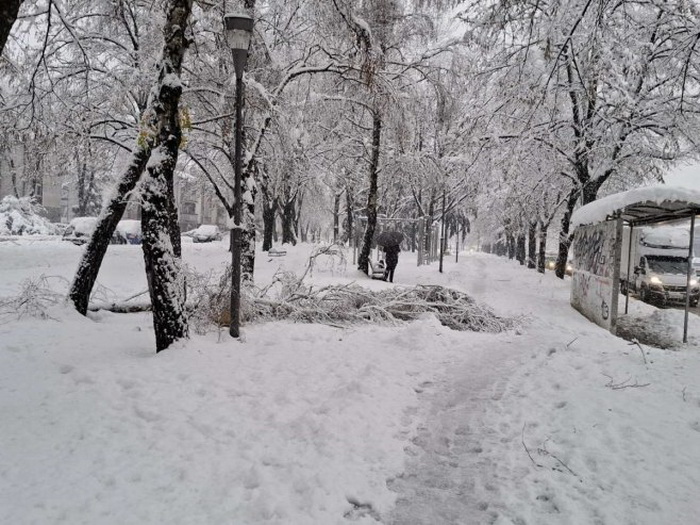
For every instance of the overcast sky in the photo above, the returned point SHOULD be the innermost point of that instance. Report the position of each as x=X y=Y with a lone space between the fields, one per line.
x=687 y=176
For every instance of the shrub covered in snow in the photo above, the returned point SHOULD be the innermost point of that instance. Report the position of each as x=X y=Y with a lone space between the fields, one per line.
x=20 y=216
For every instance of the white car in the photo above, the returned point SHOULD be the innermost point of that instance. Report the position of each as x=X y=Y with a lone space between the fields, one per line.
x=80 y=229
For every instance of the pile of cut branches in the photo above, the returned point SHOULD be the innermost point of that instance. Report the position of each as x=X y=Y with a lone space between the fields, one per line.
x=351 y=304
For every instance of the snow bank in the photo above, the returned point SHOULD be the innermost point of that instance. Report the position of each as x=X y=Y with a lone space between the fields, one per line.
x=601 y=209
x=23 y=217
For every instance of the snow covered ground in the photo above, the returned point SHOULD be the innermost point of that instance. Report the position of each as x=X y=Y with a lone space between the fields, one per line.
x=556 y=422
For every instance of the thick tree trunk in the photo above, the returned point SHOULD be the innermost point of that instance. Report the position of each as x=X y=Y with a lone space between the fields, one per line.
x=372 y=197
x=111 y=214
x=542 y=247
x=590 y=191
x=564 y=237
x=94 y=253
x=531 y=245
x=8 y=14
x=166 y=283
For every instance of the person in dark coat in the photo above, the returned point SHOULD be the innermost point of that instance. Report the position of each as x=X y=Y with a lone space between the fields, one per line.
x=391 y=259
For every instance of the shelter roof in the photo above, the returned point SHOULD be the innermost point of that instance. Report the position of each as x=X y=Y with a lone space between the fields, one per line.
x=641 y=206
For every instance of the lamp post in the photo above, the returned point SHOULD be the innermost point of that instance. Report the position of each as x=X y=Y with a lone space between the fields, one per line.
x=239 y=29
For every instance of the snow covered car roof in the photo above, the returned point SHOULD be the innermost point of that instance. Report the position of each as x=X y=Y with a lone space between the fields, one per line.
x=641 y=205
x=83 y=225
x=130 y=226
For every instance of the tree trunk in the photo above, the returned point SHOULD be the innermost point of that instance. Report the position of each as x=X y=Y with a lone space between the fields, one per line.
x=531 y=244
x=372 y=197
x=8 y=14
x=269 y=212
x=248 y=234
x=166 y=283
x=542 y=247
x=94 y=253
x=564 y=237
x=520 y=248
x=288 y=214
x=349 y=205
x=511 y=246
x=590 y=191
x=428 y=227
x=336 y=216
x=111 y=214
x=297 y=213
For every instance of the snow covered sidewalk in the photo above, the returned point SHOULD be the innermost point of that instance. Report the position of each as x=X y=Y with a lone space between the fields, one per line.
x=557 y=422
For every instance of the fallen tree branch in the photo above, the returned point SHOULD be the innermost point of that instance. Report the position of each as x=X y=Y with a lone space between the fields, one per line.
x=625 y=384
x=527 y=450
x=641 y=350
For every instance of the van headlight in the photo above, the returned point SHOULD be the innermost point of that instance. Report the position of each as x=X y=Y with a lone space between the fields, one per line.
x=693 y=282
x=655 y=280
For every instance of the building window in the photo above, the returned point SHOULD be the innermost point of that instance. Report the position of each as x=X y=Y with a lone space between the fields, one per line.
x=188 y=208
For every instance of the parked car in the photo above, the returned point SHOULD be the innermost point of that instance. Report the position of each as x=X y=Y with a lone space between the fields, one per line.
x=131 y=230
x=206 y=233
x=80 y=230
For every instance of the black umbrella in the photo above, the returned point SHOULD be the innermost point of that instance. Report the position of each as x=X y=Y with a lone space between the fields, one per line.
x=389 y=238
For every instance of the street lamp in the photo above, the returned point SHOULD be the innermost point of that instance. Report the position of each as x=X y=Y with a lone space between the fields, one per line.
x=239 y=30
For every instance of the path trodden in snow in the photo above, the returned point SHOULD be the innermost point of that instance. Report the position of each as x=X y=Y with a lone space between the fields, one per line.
x=449 y=476
x=557 y=423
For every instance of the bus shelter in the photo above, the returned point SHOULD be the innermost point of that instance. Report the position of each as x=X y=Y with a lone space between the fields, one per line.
x=598 y=245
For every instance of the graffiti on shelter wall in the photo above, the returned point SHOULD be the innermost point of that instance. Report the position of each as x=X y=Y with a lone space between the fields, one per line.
x=594 y=266
x=593 y=249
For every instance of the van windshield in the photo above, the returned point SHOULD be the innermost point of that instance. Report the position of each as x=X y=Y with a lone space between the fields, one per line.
x=668 y=265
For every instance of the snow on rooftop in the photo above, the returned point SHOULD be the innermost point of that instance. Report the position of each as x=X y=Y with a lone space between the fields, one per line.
x=600 y=210
x=667 y=237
